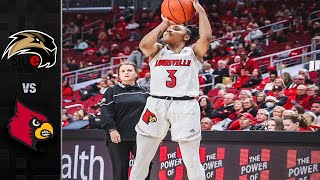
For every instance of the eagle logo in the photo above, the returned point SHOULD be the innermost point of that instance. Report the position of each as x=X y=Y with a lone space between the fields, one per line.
x=35 y=43
x=28 y=127
x=149 y=117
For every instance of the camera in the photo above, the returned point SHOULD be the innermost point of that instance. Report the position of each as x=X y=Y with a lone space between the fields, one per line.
x=94 y=122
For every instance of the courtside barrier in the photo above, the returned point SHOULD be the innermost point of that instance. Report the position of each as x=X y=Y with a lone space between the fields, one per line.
x=224 y=155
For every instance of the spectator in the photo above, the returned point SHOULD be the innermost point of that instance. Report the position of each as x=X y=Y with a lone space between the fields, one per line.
x=66 y=89
x=287 y=79
x=254 y=51
x=90 y=37
x=80 y=46
x=275 y=124
x=297 y=109
x=254 y=80
x=312 y=92
x=221 y=72
x=280 y=37
x=244 y=78
x=73 y=65
x=103 y=50
x=246 y=121
x=262 y=116
x=292 y=89
x=145 y=81
x=272 y=76
x=250 y=107
x=91 y=50
x=315 y=108
x=286 y=113
x=279 y=95
x=218 y=101
x=301 y=94
x=206 y=72
x=266 y=80
x=261 y=97
x=305 y=74
x=206 y=124
x=132 y=25
x=270 y=103
x=224 y=111
x=238 y=107
x=255 y=33
x=278 y=111
x=295 y=122
x=136 y=57
x=205 y=105
x=311 y=119
x=65 y=121
x=244 y=94
x=248 y=63
x=78 y=115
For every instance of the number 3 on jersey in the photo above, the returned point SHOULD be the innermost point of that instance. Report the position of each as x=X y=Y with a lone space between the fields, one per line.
x=173 y=82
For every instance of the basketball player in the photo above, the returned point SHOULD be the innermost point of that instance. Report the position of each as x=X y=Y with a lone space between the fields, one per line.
x=174 y=84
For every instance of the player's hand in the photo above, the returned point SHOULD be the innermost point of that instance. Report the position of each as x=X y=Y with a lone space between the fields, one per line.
x=115 y=136
x=167 y=21
x=197 y=6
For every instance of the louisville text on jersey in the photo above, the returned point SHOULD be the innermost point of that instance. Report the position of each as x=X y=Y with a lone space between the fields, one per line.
x=173 y=62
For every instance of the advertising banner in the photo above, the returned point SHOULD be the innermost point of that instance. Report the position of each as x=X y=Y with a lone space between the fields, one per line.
x=89 y=159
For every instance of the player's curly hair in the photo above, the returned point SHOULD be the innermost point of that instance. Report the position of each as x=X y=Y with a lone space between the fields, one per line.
x=193 y=32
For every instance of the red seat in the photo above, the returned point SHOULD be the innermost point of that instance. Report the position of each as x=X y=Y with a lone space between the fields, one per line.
x=213 y=92
x=232 y=90
x=313 y=74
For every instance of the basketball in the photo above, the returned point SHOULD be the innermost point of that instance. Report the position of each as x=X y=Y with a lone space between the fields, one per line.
x=179 y=11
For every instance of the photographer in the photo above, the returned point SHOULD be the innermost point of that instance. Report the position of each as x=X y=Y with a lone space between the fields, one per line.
x=121 y=108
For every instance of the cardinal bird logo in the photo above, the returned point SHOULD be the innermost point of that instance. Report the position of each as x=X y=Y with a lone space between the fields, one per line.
x=35 y=43
x=149 y=117
x=29 y=127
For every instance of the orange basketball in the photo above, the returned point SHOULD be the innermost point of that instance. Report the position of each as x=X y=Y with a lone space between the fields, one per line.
x=179 y=11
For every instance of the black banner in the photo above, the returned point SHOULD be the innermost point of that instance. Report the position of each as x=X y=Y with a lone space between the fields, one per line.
x=248 y=160
x=30 y=124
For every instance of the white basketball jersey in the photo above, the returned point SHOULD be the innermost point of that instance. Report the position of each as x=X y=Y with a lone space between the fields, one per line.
x=174 y=74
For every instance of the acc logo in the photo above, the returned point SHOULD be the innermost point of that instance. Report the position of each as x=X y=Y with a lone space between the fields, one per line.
x=149 y=117
x=28 y=127
x=33 y=42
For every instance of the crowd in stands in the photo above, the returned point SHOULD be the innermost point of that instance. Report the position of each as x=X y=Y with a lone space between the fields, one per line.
x=237 y=98
x=238 y=26
x=291 y=102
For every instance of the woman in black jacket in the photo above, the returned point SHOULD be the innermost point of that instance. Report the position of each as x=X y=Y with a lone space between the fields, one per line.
x=255 y=79
x=121 y=108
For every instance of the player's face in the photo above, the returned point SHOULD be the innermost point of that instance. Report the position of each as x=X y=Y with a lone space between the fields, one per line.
x=127 y=73
x=174 y=34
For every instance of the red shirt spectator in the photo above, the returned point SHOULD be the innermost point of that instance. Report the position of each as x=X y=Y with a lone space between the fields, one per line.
x=244 y=77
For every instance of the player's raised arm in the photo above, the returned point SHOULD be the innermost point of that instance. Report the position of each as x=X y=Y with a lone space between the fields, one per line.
x=148 y=44
x=202 y=45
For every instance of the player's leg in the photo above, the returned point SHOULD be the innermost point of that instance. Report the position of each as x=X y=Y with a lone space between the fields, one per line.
x=191 y=159
x=134 y=153
x=146 y=149
x=186 y=130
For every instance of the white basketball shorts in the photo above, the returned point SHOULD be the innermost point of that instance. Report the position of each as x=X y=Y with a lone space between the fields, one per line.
x=160 y=115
